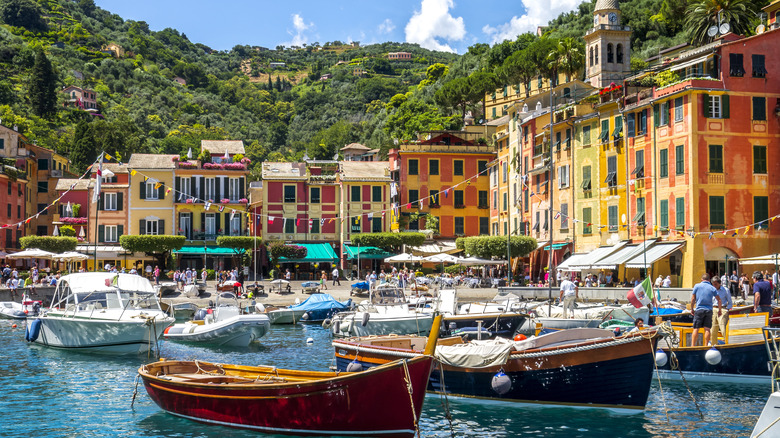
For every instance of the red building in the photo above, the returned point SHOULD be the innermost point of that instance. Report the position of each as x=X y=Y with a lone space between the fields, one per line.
x=12 y=190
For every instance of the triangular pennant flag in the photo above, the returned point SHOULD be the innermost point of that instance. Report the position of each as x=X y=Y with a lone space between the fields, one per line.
x=310 y=224
x=446 y=193
x=270 y=220
x=383 y=214
x=322 y=222
x=747 y=228
x=108 y=157
x=133 y=172
x=157 y=186
x=733 y=235
x=711 y=233
x=409 y=205
x=557 y=215
x=232 y=214
x=421 y=202
x=146 y=179
x=331 y=220
x=284 y=224
x=168 y=191
x=297 y=222
x=207 y=206
x=468 y=182
x=221 y=207
x=370 y=216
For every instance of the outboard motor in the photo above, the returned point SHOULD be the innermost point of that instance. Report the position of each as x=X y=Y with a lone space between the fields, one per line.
x=200 y=315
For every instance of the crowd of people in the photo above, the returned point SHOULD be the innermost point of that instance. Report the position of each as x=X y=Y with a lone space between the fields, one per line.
x=14 y=279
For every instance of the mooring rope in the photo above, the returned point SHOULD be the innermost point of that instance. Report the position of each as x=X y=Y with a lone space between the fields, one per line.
x=444 y=399
x=409 y=390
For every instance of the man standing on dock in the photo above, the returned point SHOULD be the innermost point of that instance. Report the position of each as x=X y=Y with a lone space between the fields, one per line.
x=721 y=319
x=762 y=294
x=701 y=303
x=569 y=294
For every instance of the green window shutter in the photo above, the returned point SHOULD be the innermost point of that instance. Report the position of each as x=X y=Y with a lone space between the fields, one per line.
x=724 y=103
x=119 y=199
x=101 y=233
x=705 y=107
x=161 y=226
x=668 y=108
x=586 y=221
x=760 y=211
x=142 y=226
x=759 y=108
x=679 y=208
x=664 y=163
x=120 y=231
x=679 y=157
x=241 y=188
x=100 y=201
x=142 y=190
x=655 y=116
x=717 y=217
x=161 y=192
x=664 y=213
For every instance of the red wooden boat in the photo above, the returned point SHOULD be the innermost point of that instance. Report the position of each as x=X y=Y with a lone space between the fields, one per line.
x=383 y=401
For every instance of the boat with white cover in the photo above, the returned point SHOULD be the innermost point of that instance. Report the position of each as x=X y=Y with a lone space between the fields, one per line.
x=223 y=325
x=14 y=310
x=101 y=312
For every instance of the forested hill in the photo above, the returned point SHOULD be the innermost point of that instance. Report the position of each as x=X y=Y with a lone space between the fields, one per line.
x=282 y=101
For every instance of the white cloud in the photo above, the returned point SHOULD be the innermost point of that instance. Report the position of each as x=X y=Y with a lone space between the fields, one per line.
x=432 y=23
x=386 y=26
x=298 y=35
x=536 y=14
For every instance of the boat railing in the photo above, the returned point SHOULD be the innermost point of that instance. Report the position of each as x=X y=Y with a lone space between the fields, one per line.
x=772 y=342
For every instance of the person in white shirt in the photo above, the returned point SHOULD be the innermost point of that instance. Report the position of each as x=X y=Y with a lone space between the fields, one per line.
x=659 y=281
x=335 y=276
x=569 y=294
x=720 y=319
x=667 y=282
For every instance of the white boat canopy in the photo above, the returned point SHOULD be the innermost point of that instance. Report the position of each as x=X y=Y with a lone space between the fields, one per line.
x=86 y=282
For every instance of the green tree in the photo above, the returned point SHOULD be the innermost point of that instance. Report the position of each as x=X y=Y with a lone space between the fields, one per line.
x=53 y=244
x=389 y=241
x=702 y=14
x=24 y=13
x=83 y=152
x=519 y=68
x=157 y=246
x=276 y=250
x=568 y=57
x=43 y=84
x=495 y=246
x=239 y=244
x=483 y=82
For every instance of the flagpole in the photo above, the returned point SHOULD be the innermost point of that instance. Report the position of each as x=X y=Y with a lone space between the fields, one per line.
x=96 y=199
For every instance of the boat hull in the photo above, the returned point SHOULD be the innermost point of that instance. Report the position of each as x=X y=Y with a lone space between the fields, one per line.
x=336 y=404
x=238 y=331
x=623 y=372
x=502 y=325
x=743 y=362
x=285 y=316
x=101 y=336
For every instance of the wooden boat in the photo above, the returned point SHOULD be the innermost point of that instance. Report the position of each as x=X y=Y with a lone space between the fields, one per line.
x=578 y=367
x=742 y=358
x=385 y=401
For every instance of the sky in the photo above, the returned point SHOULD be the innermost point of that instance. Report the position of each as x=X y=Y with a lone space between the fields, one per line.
x=446 y=25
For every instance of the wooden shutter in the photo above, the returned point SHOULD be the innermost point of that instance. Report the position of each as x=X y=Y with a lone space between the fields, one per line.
x=101 y=233
x=655 y=116
x=705 y=105
x=177 y=186
x=161 y=226
x=161 y=191
x=241 y=188
x=119 y=199
x=142 y=226
x=203 y=223
x=217 y=190
x=225 y=187
x=217 y=222
x=120 y=230
x=668 y=112
x=724 y=106
x=142 y=188
x=203 y=189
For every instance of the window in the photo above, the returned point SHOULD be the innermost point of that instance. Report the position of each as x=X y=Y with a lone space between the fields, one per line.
x=759 y=159
x=43 y=186
x=10 y=187
x=506 y=201
x=586 y=225
x=619 y=53
x=235 y=225
x=661 y=114
x=376 y=225
x=506 y=228
x=414 y=167
x=504 y=171
x=563 y=176
x=211 y=193
x=586 y=135
x=482 y=199
x=604 y=136
x=185 y=188
x=639 y=218
x=43 y=164
x=678 y=109
x=459 y=226
x=639 y=168
x=289 y=226
x=210 y=226
x=557 y=144
x=761 y=212
x=151 y=192
x=735 y=65
x=289 y=194
x=484 y=228
x=641 y=128
x=41 y=207
x=110 y=201
x=376 y=194
x=716 y=106
x=458 y=198
x=564 y=216
x=433 y=167
x=586 y=184
x=612 y=218
x=153 y=227
x=716 y=158
x=759 y=70
x=717 y=216
x=9 y=211
x=618 y=127
x=111 y=233
x=759 y=108
x=664 y=207
x=663 y=163
x=568 y=139
x=42 y=230
x=590 y=57
x=2 y=143
x=314 y=196
x=494 y=108
x=610 y=55
x=679 y=213
x=679 y=160
x=611 y=179
x=631 y=125
x=234 y=184
x=18 y=211
x=315 y=226
x=414 y=195
x=481 y=166
x=457 y=167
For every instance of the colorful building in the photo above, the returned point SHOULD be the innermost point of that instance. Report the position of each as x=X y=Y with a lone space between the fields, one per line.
x=107 y=219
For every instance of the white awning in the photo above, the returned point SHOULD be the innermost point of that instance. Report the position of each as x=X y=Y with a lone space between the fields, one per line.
x=622 y=256
x=689 y=63
x=594 y=256
x=653 y=254
x=569 y=264
x=769 y=259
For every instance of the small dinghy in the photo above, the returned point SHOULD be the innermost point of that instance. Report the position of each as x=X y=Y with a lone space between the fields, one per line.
x=14 y=310
x=222 y=325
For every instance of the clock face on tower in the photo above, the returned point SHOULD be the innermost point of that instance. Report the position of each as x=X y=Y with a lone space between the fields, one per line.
x=612 y=17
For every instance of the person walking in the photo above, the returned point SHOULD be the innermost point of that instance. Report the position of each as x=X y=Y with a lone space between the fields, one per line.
x=721 y=319
x=324 y=281
x=701 y=301
x=733 y=284
x=157 y=275
x=569 y=294
x=762 y=294
x=203 y=276
x=335 y=275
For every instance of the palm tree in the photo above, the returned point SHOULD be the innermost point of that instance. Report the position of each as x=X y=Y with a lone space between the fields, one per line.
x=703 y=14
x=568 y=57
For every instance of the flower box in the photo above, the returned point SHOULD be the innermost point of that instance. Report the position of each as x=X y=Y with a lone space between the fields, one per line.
x=225 y=201
x=234 y=166
x=212 y=166
x=243 y=201
x=187 y=165
x=73 y=220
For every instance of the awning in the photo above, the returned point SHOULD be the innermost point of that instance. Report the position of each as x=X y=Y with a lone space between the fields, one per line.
x=594 y=256
x=315 y=252
x=626 y=253
x=110 y=252
x=556 y=246
x=365 y=252
x=568 y=264
x=769 y=259
x=216 y=251
x=689 y=63
x=653 y=254
x=538 y=170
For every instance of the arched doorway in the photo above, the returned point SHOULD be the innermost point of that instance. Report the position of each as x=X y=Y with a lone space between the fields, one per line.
x=720 y=261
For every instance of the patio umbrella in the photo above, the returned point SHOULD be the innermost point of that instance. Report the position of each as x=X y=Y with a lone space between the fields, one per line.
x=70 y=257
x=226 y=157
x=56 y=231
x=474 y=261
x=81 y=232
x=69 y=209
x=32 y=253
x=404 y=258
x=441 y=258
x=189 y=154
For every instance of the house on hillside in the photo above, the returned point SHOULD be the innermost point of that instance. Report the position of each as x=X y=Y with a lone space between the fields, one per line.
x=83 y=98
x=277 y=65
x=399 y=56
x=359 y=152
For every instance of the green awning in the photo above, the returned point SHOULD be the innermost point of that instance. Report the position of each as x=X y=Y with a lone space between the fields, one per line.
x=209 y=250
x=555 y=246
x=365 y=252
x=315 y=252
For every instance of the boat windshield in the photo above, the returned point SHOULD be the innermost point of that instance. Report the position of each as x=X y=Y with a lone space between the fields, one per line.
x=388 y=295
x=139 y=301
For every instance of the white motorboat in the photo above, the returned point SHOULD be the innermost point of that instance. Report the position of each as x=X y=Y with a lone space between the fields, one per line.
x=14 y=310
x=101 y=312
x=386 y=313
x=222 y=325
x=284 y=315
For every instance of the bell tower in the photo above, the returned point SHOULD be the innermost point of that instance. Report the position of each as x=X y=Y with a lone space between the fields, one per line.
x=607 y=46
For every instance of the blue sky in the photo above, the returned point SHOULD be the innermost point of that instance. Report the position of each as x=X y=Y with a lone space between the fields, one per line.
x=451 y=25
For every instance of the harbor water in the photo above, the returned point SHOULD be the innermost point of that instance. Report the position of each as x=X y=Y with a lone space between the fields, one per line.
x=55 y=393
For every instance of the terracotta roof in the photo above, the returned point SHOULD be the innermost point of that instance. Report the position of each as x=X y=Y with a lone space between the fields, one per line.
x=354 y=146
x=503 y=120
x=365 y=170
x=114 y=167
x=151 y=161
x=218 y=147
x=280 y=170
x=65 y=183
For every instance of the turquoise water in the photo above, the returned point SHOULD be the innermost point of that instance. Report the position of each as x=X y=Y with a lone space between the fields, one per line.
x=53 y=393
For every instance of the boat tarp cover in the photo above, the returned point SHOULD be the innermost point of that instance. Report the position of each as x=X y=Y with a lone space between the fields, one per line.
x=96 y=281
x=320 y=302
x=476 y=354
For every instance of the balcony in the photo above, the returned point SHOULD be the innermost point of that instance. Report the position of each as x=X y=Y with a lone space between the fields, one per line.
x=434 y=205
x=483 y=206
x=716 y=178
x=204 y=237
x=190 y=199
x=195 y=165
x=460 y=206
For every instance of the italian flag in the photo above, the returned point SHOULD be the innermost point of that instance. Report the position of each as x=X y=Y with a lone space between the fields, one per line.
x=642 y=294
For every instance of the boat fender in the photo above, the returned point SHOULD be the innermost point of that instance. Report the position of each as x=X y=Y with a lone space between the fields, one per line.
x=501 y=383
x=33 y=330
x=305 y=316
x=209 y=318
x=661 y=358
x=309 y=341
x=354 y=367
x=366 y=317
x=520 y=337
x=336 y=326
x=326 y=323
x=712 y=356
x=347 y=328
